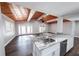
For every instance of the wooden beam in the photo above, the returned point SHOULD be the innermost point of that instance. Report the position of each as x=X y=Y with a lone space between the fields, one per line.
x=36 y=15
x=55 y=21
x=49 y=17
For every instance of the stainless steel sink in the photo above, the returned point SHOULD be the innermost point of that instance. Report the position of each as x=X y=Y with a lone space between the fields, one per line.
x=48 y=40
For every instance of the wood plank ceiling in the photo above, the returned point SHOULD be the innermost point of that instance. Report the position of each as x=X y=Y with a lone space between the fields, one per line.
x=37 y=14
x=49 y=18
x=6 y=9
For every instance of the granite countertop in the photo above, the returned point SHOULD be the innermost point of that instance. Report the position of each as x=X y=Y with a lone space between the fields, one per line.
x=41 y=45
x=57 y=37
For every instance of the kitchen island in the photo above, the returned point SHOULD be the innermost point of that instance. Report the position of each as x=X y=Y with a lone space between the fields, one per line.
x=48 y=44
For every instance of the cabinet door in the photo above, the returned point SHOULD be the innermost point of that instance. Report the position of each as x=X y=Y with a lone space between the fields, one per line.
x=35 y=50
x=53 y=50
x=70 y=43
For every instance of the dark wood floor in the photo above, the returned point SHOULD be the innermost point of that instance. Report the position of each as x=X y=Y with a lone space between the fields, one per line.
x=19 y=46
x=22 y=46
x=75 y=50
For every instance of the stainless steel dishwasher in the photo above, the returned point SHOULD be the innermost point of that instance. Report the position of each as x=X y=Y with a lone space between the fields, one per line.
x=63 y=47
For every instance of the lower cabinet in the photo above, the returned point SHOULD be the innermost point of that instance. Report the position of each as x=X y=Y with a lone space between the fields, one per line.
x=53 y=50
x=36 y=51
x=70 y=43
x=53 y=53
x=58 y=49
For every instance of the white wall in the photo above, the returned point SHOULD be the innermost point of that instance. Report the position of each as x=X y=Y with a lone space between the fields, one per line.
x=8 y=35
x=2 y=50
x=77 y=29
x=53 y=27
x=60 y=25
x=5 y=37
x=36 y=25
x=66 y=27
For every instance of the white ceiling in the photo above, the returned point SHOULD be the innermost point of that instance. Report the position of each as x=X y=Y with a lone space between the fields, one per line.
x=69 y=10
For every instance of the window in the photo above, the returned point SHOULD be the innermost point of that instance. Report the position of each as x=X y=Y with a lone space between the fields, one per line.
x=42 y=29
x=22 y=29
x=8 y=26
x=29 y=29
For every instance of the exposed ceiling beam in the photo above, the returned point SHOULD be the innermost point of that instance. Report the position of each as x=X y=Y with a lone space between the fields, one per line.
x=25 y=14
x=55 y=21
x=49 y=17
x=37 y=15
x=30 y=15
x=42 y=16
x=52 y=20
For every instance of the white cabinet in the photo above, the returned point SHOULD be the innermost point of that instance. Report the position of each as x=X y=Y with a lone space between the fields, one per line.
x=2 y=51
x=36 y=51
x=70 y=43
x=53 y=50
